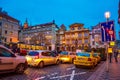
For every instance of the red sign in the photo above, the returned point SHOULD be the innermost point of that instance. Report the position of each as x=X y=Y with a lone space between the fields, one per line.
x=110 y=32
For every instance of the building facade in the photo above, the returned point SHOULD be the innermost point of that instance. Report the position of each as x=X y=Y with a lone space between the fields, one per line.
x=61 y=36
x=95 y=37
x=9 y=28
x=42 y=35
x=76 y=38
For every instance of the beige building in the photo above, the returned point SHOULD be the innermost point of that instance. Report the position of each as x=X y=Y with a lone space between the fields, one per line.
x=76 y=38
x=9 y=28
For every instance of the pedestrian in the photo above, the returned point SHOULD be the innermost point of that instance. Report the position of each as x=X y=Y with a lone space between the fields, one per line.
x=116 y=55
x=110 y=53
x=110 y=57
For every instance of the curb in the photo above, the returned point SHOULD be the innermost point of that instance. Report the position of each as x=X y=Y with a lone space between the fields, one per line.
x=97 y=74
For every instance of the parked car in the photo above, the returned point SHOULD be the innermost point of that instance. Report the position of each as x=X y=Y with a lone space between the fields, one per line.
x=85 y=59
x=11 y=62
x=41 y=58
x=65 y=56
x=96 y=55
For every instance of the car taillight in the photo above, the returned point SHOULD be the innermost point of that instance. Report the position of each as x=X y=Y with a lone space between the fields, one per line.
x=26 y=62
x=89 y=59
x=74 y=58
x=37 y=57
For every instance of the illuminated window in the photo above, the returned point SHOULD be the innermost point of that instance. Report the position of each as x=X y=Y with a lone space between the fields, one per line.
x=11 y=33
x=0 y=17
x=6 y=25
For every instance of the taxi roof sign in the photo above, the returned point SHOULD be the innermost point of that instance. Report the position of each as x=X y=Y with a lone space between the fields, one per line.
x=112 y=43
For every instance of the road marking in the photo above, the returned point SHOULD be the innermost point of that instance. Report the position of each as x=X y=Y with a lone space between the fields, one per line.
x=71 y=68
x=40 y=78
x=67 y=75
x=72 y=75
x=54 y=74
x=60 y=76
x=80 y=73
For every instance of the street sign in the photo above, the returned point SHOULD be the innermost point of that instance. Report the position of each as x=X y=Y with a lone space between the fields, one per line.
x=107 y=31
x=112 y=43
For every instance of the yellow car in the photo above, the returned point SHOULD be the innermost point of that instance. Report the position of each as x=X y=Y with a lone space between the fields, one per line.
x=96 y=55
x=85 y=59
x=41 y=58
x=65 y=56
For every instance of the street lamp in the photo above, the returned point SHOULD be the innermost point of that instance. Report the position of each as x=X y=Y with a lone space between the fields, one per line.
x=107 y=16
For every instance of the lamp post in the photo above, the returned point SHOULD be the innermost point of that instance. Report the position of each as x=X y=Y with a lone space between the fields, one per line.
x=107 y=16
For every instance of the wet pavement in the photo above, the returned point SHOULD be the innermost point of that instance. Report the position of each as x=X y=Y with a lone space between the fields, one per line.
x=53 y=72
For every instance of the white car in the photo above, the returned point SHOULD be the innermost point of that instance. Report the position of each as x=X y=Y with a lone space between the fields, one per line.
x=10 y=62
x=41 y=58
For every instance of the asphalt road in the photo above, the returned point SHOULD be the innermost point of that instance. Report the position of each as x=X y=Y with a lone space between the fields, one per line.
x=53 y=72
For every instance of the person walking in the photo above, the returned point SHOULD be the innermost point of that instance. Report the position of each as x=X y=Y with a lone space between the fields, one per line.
x=110 y=57
x=116 y=55
x=110 y=53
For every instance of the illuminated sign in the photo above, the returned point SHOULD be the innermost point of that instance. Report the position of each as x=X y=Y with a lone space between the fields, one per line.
x=110 y=50
x=112 y=43
x=107 y=31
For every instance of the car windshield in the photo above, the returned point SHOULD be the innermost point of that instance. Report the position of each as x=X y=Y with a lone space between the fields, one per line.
x=83 y=54
x=33 y=53
x=95 y=55
x=64 y=53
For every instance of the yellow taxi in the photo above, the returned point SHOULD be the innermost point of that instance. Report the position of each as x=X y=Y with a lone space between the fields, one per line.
x=65 y=56
x=96 y=55
x=40 y=58
x=85 y=59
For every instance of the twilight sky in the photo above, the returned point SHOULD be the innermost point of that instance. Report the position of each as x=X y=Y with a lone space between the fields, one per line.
x=67 y=12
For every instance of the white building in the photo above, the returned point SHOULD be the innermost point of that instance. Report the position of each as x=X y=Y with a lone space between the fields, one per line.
x=95 y=37
x=9 y=27
x=42 y=35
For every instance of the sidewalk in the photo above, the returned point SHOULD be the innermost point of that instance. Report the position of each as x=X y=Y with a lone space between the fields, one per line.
x=103 y=74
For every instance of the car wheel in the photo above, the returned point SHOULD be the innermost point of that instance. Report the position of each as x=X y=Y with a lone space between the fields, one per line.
x=20 y=68
x=57 y=62
x=72 y=60
x=41 y=64
x=76 y=66
x=61 y=61
x=93 y=66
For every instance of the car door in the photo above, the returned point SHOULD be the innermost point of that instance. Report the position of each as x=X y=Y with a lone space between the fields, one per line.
x=45 y=58
x=6 y=60
x=53 y=57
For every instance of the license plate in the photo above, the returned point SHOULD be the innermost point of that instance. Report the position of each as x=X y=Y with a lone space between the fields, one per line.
x=80 y=58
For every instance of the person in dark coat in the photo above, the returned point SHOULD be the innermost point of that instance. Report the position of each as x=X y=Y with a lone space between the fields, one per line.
x=116 y=55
